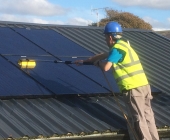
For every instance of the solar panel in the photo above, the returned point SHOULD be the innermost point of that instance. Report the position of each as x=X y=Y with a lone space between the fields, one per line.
x=57 y=45
x=57 y=78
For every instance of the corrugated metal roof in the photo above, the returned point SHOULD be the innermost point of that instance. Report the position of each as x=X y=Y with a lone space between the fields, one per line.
x=74 y=115
x=70 y=114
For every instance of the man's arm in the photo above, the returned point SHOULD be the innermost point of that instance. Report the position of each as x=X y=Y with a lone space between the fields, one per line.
x=97 y=57
x=105 y=66
x=93 y=59
x=114 y=56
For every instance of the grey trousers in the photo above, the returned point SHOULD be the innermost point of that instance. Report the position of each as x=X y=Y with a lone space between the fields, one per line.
x=140 y=114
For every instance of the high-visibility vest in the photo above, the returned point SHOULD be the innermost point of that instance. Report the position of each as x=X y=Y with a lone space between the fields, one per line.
x=129 y=72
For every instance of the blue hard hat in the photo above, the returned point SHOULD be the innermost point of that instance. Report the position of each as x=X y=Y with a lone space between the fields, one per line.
x=112 y=27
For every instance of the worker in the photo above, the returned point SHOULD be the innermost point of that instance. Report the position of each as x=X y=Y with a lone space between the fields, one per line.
x=131 y=80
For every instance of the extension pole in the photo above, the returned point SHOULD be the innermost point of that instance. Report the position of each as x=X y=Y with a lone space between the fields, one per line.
x=30 y=63
x=44 y=55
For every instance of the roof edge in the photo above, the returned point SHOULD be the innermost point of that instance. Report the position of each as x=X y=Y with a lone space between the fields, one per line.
x=67 y=26
x=65 y=96
x=46 y=25
x=96 y=135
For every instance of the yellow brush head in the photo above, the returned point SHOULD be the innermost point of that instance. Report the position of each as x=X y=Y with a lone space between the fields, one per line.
x=27 y=64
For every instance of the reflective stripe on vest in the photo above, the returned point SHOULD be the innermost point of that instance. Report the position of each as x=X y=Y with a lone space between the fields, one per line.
x=127 y=65
x=129 y=75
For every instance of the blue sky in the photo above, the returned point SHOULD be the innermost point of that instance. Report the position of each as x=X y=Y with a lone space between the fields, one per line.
x=80 y=12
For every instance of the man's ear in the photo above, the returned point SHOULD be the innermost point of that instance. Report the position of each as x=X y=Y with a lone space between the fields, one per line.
x=112 y=39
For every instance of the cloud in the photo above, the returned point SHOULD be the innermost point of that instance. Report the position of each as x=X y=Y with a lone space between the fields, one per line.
x=31 y=7
x=78 y=21
x=32 y=19
x=169 y=20
x=158 y=4
x=28 y=19
x=7 y=17
x=157 y=25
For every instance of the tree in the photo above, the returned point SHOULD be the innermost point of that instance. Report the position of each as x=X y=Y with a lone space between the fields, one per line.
x=126 y=19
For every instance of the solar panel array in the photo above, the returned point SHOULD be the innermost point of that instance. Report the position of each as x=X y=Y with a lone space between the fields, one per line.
x=53 y=79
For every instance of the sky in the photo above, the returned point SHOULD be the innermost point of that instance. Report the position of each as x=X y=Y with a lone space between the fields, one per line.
x=83 y=12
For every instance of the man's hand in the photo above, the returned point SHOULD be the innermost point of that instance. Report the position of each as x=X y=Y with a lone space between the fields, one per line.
x=97 y=63
x=79 y=62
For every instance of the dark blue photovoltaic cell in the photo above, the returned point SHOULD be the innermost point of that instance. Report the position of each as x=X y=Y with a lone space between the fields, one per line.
x=97 y=75
x=62 y=79
x=12 y=43
x=59 y=45
x=14 y=82
x=54 y=42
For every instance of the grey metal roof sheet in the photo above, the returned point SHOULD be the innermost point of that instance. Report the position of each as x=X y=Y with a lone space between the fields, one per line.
x=69 y=114
x=60 y=116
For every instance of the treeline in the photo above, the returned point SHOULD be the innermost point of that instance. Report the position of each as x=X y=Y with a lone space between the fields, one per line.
x=126 y=19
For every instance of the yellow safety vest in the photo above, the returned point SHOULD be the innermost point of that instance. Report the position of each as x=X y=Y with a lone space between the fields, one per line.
x=129 y=73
